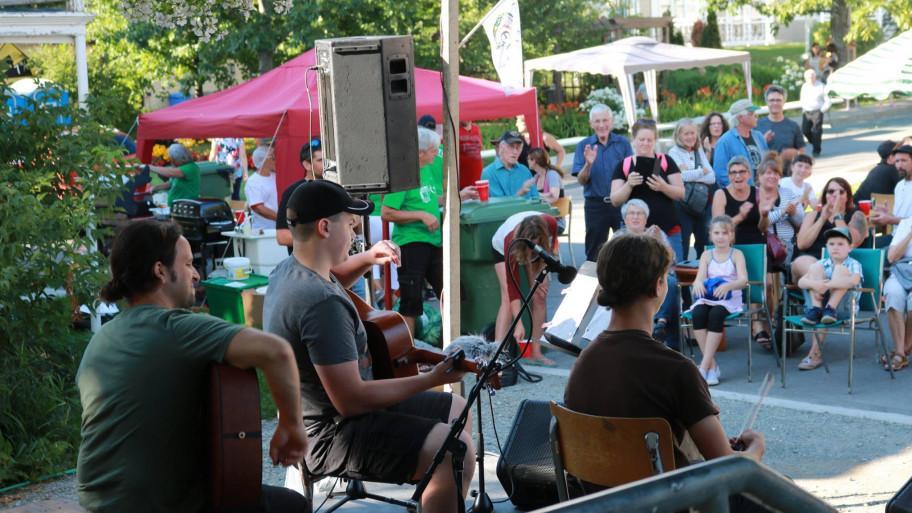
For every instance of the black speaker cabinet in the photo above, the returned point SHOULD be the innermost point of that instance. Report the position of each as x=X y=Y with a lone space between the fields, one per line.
x=367 y=112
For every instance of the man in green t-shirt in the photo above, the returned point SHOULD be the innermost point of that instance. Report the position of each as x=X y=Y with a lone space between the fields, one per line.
x=415 y=214
x=142 y=386
x=184 y=176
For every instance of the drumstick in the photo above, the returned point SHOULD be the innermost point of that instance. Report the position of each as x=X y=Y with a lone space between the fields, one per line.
x=765 y=388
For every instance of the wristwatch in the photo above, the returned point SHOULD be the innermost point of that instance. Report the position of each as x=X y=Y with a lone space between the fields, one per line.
x=838 y=217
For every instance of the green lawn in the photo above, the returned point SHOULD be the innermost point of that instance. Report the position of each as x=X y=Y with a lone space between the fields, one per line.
x=766 y=55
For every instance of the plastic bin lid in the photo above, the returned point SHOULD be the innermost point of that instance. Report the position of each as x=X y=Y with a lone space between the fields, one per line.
x=498 y=209
x=254 y=281
x=208 y=168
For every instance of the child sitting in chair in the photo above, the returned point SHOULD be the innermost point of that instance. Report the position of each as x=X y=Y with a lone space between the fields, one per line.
x=826 y=285
x=722 y=275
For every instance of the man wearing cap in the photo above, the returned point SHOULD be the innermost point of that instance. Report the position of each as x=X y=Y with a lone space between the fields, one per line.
x=781 y=133
x=380 y=430
x=260 y=190
x=742 y=139
x=594 y=161
x=883 y=177
x=415 y=214
x=506 y=176
x=312 y=162
x=902 y=193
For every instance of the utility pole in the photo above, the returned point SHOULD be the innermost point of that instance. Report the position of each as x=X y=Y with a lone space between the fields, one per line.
x=449 y=52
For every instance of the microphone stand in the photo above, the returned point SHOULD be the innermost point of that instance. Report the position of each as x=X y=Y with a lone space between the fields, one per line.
x=452 y=443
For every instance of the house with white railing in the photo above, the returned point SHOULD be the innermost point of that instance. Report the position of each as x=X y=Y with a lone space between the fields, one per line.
x=49 y=22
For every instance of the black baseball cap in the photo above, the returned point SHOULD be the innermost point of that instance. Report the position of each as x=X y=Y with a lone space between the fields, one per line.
x=905 y=148
x=885 y=148
x=838 y=231
x=318 y=199
x=511 y=137
x=428 y=121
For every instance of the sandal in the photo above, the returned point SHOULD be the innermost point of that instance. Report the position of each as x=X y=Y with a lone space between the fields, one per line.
x=763 y=339
x=897 y=361
x=809 y=364
x=540 y=362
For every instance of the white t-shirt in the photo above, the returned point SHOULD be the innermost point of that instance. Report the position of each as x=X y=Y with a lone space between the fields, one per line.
x=902 y=199
x=497 y=241
x=902 y=230
x=788 y=183
x=261 y=190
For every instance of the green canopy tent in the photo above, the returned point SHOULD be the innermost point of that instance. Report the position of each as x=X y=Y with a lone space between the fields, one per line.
x=882 y=71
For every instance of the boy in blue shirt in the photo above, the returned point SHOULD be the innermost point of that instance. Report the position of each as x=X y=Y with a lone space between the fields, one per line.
x=827 y=290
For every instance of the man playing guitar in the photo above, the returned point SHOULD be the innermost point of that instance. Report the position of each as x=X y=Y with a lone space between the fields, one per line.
x=141 y=383
x=380 y=430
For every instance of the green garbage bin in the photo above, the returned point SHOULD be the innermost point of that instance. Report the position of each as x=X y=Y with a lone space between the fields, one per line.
x=234 y=301
x=480 y=292
x=215 y=180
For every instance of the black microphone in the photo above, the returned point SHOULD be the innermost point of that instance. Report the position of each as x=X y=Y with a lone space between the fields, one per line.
x=565 y=273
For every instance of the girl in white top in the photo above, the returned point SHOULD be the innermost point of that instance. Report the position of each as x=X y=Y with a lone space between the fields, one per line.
x=548 y=179
x=801 y=170
x=688 y=154
x=709 y=311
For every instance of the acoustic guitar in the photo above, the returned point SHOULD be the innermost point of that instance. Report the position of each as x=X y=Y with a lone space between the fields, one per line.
x=235 y=438
x=392 y=351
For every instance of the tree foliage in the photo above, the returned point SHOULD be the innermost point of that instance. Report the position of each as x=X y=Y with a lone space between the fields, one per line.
x=710 y=37
x=54 y=183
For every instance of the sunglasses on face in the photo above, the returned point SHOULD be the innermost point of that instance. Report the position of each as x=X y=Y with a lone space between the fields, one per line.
x=315 y=144
x=737 y=172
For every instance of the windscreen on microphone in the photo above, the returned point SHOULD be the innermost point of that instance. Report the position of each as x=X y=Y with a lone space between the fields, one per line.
x=566 y=274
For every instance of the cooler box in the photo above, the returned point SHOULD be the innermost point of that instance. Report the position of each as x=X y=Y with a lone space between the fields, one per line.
x=236 y=301
x=478 y=221
x=262 y=249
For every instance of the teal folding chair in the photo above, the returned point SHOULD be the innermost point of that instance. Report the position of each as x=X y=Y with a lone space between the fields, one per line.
x=872 y=268
x=754 y=292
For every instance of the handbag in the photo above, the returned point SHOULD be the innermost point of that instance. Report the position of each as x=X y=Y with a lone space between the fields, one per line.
x=696 y=194
x=775 y=250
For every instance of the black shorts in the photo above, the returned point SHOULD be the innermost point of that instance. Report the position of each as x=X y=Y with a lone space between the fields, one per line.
x=379 y=446
x=420 y=262
x=498 y=256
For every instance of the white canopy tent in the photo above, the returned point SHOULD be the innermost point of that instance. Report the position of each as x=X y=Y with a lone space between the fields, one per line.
x=878 y=73
x=625 y=57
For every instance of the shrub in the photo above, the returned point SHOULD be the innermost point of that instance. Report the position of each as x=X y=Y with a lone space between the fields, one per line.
x=612 y=98
x=710 y=37
x=54 y=183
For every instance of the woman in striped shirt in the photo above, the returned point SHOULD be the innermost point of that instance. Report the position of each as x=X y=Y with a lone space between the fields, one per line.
x=781 y=212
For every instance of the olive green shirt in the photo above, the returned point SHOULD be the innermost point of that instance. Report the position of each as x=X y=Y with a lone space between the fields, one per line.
x=142 y=383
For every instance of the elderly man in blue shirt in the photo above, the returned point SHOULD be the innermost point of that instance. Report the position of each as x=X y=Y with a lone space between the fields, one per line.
x=594 y=162
x=506 y=176
x=743 y=139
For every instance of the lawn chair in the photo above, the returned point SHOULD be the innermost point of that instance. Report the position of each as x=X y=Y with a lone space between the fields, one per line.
x=565 y=209
x=607 y=451
x=872 y=268
x=754 y=292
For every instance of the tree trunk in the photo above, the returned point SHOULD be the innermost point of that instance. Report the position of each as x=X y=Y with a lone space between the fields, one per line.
x=265 y=56
x=840 y=20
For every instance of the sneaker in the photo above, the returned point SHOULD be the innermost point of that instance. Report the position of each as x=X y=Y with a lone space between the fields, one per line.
x=718 y=371
x=712 y=377
x=812 y=315
x=702 y=373
x=829 y=315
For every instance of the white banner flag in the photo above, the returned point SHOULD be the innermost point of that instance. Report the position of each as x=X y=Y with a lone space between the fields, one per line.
x=503 y=30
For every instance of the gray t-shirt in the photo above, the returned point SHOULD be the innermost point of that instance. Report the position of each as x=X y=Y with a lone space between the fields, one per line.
x=786 y=133
x=319 y=320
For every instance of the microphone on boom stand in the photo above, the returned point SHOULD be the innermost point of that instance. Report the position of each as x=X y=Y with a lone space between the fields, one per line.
x=565 y=273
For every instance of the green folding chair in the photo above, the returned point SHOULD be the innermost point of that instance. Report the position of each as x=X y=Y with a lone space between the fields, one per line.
x=872 y=268
x=754 y=292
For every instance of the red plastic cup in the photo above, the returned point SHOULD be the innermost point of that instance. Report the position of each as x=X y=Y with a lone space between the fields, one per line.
x=865 y=206
x=239 y=217
x=483 y=189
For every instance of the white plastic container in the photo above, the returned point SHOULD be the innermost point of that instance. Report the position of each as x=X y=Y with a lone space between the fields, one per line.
x=238 y=268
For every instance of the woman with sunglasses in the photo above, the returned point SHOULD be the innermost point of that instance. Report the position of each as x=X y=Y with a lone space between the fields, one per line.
x=740 y=201
x=836 y=210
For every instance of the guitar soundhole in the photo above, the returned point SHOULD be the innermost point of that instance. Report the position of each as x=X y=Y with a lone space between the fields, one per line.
x=242 y=435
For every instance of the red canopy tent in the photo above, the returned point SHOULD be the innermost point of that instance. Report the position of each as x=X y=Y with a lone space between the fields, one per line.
x=280 y=103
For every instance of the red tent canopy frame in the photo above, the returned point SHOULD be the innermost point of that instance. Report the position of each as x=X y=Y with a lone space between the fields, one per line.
x=277 y=103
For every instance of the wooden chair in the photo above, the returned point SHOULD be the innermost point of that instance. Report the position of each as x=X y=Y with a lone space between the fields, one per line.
x=607 y=451
x=565 y=209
